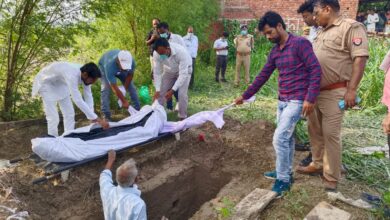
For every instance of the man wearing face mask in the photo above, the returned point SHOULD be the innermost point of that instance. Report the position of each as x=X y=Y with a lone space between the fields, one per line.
x=244 y=44
x=191 y=42
x=172 y=72
x=163 y=30
x=299 y=86
x=57 y=83
x=117 y=64
x=342 y=50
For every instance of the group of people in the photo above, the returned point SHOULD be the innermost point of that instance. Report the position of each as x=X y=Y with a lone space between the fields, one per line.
x=173 y=61
x=58 y=83
x=315 y=73
x=375 y=20
x=244 y=44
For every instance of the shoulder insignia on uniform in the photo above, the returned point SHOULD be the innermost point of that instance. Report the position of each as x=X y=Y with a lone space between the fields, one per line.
x=357 y=41
x=351 y=21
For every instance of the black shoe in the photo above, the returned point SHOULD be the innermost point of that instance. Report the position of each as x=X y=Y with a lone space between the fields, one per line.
x=302 y=147
x=224 y=80
x=217 y=80
x=305 y=162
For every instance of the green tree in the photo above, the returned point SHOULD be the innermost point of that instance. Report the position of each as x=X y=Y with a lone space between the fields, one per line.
x=34 y=32
x=130 y=21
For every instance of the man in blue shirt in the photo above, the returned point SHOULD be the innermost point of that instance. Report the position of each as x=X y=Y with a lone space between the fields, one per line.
x=123 y=201
x=117 y=64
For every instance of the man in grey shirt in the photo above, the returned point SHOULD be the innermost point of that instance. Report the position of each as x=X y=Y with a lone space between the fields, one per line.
x=306 y=9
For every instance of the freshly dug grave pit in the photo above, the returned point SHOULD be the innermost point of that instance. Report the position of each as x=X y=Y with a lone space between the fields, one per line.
x=182 y=192
x=178 y=179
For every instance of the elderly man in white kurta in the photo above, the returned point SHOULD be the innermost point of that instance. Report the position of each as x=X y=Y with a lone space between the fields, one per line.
x=172 y=72
x=57 y=83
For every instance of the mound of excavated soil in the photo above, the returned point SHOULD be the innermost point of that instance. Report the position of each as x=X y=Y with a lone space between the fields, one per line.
x=189 y=178
x=177 y=177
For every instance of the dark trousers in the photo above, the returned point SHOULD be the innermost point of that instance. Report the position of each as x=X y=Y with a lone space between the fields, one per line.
x=193 y=72
x=221 y=66
x=170 y=101
x=388 y=143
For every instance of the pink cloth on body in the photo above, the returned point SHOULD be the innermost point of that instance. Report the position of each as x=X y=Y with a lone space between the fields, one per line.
x=385 y=66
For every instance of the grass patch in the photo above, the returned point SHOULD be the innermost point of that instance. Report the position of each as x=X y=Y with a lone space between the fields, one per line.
x=295 y=202
x=360 y=128
x=226 y=210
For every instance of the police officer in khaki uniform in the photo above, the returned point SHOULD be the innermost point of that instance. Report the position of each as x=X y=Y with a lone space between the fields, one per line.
x=244 y=45
x=342 y=50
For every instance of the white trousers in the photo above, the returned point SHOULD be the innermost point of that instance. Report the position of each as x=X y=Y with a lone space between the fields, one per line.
x=52 y=117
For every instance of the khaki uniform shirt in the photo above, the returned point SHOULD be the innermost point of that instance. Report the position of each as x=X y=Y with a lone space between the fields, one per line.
x=244 y=44
x=337 y=46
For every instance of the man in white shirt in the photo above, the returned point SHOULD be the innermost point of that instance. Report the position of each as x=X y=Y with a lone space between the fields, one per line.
x=172 y=72
x=57 y=83
x=163 y=31
x=306 y=9
x=122 y=202
x=191 y=42
x=221 y=48
x=372 y=19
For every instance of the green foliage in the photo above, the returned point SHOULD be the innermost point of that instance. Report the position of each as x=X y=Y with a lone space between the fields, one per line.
x=301 y=133
x=226 y=210
x=368 y=169
x=127 y=28
x=372 y=170
x=34 y=33
x=371 y=86
x=374 y=5
x=386 y=197
x=296 y=201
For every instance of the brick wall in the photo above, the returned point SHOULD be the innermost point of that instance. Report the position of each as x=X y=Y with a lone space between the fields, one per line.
x=253 y=9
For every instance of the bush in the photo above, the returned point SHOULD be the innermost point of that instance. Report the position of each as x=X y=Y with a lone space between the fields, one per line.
x=371 y=86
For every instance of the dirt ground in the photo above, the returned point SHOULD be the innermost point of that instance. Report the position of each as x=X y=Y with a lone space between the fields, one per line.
x=181 y=179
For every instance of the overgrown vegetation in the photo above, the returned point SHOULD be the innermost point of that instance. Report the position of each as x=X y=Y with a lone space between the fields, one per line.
x=36 y=32
x=226 y=210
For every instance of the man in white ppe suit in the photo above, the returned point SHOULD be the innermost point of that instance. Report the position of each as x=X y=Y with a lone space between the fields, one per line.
x=172 y=72
x=57 y=83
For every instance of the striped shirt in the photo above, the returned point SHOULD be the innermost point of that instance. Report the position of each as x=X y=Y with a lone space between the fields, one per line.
x=299 y=71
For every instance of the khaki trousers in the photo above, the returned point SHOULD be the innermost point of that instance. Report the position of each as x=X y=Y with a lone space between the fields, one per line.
x=246 y=61
x=324 y=126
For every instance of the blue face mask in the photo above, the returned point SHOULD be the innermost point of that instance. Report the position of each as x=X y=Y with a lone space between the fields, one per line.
x=164 y=35
x=244 y=32
x=163 y=56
